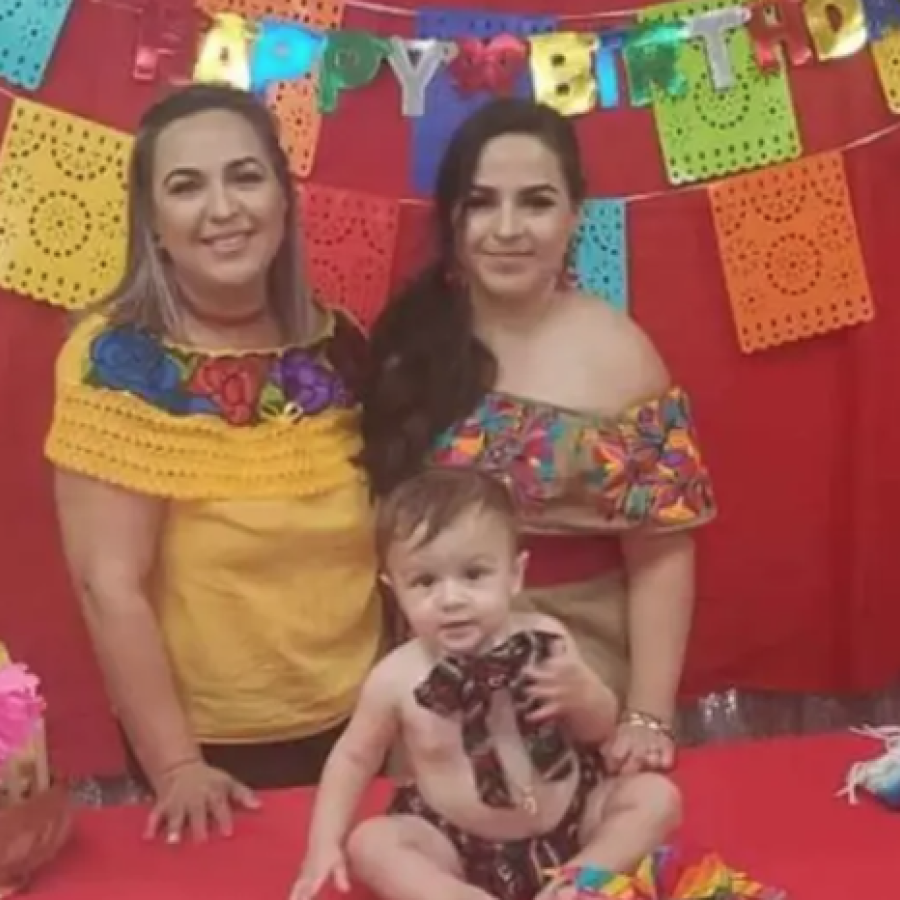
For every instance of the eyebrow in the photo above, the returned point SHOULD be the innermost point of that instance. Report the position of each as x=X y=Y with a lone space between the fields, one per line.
x=543 y=188
x=184 y=172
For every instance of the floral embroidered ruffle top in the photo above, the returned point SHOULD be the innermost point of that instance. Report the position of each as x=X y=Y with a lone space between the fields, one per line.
x=575 y=472
x=265 y=580
x=182 y=424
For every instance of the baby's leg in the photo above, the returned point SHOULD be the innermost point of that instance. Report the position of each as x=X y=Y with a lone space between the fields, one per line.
x=400 y=857
x=626 y=818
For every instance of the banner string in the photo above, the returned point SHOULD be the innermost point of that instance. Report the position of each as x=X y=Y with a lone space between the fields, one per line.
x=674 y=191
x=384 y=9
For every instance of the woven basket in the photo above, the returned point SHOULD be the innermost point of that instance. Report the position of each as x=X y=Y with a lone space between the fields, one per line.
x=31 y=834
x=35 y=819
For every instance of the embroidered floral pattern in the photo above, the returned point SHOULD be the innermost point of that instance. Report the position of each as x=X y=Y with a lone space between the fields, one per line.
x=642 y=467
x=233 y=386
x=309 y=384
x=242 y=389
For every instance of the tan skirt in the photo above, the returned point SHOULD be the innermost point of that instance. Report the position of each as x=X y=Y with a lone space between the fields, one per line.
x=595 y=612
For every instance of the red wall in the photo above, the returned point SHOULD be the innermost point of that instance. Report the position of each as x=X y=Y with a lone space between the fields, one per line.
x=799 y=581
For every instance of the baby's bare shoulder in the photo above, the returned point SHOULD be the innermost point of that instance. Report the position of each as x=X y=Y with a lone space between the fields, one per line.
x=398 y=673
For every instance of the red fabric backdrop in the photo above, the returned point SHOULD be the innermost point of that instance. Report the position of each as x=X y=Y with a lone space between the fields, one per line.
x=798 y=581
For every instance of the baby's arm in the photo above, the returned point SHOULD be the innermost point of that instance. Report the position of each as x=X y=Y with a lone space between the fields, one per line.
x=356 y=758
x=587 y=705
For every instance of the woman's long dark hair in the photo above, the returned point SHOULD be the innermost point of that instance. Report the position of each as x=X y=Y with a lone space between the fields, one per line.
x=427 y=369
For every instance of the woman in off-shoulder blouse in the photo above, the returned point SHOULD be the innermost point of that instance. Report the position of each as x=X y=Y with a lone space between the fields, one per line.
x=490 y=359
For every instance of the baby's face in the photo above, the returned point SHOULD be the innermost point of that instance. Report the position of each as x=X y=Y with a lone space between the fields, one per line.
x=456 y=590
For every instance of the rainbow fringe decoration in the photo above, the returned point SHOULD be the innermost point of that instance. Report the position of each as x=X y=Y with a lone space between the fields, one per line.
x=668 y=874
x=879 y=777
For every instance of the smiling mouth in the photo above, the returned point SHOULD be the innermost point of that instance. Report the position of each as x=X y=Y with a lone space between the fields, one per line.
x=228 y=243
x=508 y=260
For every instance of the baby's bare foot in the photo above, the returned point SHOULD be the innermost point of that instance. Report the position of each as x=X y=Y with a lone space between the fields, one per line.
x=589 y=883
x=560 y=890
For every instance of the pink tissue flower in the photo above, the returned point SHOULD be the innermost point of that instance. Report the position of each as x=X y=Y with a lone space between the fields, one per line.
x=21 y=708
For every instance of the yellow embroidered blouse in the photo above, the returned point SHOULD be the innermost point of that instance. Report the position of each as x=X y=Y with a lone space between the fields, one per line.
x=265 y=581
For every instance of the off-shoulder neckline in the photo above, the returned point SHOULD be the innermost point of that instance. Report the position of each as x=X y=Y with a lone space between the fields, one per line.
x=674 y=392
x=326 y=331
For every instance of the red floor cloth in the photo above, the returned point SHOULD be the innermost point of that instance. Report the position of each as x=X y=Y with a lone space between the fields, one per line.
x=767 y=807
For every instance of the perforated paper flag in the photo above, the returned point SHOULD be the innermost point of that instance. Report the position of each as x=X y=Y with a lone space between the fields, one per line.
x=62 y=214
x=601 y=251
x=295 y=102
x=349 y=238
x=708 y=133
x=29 y=31
x=790 y=252
x=886 y=53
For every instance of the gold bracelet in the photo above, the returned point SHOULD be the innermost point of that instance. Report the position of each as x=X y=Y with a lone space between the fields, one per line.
x=645 y=720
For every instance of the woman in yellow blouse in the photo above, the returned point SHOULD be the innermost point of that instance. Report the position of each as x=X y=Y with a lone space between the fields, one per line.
x=203 y=437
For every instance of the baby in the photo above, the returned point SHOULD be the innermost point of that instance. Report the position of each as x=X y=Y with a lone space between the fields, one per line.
x=499 y=719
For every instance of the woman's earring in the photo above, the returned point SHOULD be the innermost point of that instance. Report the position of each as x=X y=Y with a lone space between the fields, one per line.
x=565 y=281
x=568 y=276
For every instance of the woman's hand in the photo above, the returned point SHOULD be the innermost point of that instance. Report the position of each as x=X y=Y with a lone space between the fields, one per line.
x=640 y=746
x=561 y=684
x=191 y=797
